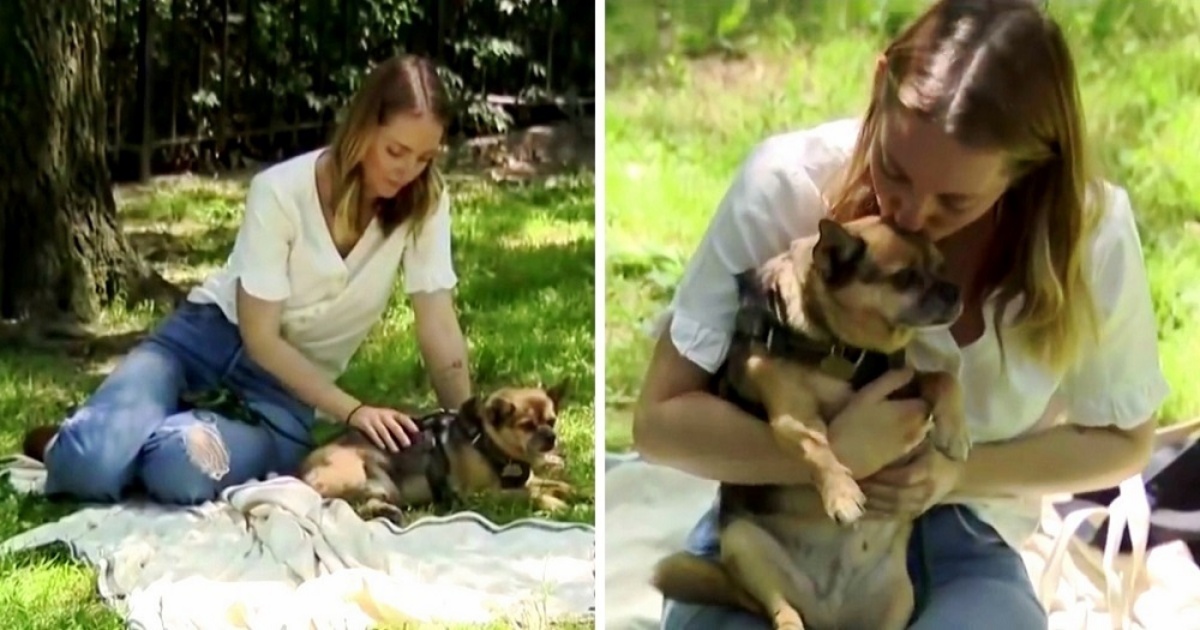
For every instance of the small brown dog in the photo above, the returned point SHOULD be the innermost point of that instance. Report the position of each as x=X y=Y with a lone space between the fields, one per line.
x=815 y=324
x=490 y=444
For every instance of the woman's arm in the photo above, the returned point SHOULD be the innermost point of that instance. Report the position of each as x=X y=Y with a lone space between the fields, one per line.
x=429 y=281
x=259 y=324
x=260 y=261
x=442 y=345
x=677 y=423
x=1064 y=459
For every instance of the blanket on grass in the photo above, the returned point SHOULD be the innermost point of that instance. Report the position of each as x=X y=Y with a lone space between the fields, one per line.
x=272 y=554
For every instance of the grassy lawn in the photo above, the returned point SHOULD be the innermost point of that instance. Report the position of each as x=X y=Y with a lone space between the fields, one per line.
x=688 y=98
x=525 y=258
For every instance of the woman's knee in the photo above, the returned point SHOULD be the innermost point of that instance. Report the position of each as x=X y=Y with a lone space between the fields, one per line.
x=82 y=462
x=93 y=454
x=197 y=454
x=186 y=463
x=684 y=616
x=982 y=604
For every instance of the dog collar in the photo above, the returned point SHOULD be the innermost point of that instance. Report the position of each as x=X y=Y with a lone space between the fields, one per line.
x=513 y=473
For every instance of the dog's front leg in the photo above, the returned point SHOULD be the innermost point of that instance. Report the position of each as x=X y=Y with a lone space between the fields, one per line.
x=550 y=494
x=944 y=394
x=544 y=499
x=551 y=463
x=795 y=418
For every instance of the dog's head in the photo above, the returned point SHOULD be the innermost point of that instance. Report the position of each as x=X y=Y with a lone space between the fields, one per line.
x=876 y=285
x=522 y=421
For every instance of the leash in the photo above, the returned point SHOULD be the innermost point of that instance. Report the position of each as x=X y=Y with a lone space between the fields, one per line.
x=226 y=402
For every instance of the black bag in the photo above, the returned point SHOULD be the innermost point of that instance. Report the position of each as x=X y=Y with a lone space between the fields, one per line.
x=1172 y=481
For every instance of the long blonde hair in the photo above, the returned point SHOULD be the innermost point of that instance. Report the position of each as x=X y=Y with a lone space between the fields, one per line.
x=400 y=85
x=998 y=74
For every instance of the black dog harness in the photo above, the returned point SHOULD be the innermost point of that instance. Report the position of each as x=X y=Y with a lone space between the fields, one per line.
x=761 y=319
x=435 y=429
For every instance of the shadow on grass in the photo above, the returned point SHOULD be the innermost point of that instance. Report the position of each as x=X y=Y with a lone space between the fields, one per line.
x=209 y=248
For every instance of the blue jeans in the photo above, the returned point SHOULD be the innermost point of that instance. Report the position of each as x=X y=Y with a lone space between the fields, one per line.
x=976 y=580
x=134 y=431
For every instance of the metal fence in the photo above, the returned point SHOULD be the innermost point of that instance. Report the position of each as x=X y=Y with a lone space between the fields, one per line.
x=209 y=82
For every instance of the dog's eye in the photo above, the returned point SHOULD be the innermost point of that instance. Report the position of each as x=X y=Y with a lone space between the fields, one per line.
x=905 y=279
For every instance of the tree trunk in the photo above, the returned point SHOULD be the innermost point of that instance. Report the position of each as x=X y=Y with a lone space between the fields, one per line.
x=62 y=252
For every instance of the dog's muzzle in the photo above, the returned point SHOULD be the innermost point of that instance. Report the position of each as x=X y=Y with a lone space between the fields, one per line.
x=545 y=439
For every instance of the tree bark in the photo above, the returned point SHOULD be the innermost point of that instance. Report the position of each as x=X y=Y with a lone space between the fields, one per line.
x=63 y=255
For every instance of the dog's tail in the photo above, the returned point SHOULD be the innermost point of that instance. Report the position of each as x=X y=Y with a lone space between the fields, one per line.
x=688 y=578
x=36 y=441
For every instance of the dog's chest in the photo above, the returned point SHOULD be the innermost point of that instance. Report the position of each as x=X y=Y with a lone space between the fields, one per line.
x=854 y=571
x=473 y=472
x=832 y=394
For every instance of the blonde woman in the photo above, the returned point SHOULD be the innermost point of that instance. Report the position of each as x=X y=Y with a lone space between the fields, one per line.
x=311 y=272
x=974 y=136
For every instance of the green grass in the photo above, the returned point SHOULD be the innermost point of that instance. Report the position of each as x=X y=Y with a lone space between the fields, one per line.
x=525 y=258
x=688 y=97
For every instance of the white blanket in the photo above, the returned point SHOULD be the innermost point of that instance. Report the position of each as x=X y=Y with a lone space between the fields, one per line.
x=648 y=511
x=273 y=555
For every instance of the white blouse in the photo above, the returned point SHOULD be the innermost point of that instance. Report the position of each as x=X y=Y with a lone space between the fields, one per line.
x=284 y=251
x=775 y=198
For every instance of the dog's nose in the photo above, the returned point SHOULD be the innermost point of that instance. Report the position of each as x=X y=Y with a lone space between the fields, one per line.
x=548 y=437
x=947 y=291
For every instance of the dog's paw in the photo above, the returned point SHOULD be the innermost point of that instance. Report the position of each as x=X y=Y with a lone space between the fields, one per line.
x=374 y=508
x=560 y=489
x=787 y=619
x=952 y=439
x=553 y=464
x=551 y=503
x=843 y=498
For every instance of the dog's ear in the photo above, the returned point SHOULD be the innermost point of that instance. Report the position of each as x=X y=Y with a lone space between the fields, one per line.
x=837 y=253
x=558 y=392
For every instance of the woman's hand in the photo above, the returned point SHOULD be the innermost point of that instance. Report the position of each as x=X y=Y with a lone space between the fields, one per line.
x=908 y=491
x=872 y=431
x=387 y=428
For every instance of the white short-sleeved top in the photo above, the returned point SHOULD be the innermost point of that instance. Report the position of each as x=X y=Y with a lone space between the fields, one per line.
x=284 y=251
x=775 y=198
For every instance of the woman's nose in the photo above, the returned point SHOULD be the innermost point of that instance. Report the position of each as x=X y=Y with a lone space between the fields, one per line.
x=911 y=214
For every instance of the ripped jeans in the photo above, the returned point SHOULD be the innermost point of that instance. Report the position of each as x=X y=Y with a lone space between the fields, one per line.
x=135 y=431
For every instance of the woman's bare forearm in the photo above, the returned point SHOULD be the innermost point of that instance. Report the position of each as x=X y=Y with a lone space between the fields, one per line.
x=443 y=348
x=708 y=437
x=1063 y=459
x=300 y=376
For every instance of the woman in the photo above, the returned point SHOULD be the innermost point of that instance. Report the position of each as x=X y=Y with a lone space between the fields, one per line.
x=311 y=272
x=974 y=136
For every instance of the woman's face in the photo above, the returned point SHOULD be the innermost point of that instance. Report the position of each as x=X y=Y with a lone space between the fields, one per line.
x=400 y=151
x=926 y=181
